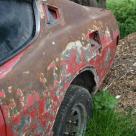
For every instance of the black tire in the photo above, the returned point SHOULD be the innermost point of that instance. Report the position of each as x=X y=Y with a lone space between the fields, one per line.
x=74 y=112
x=92 y=3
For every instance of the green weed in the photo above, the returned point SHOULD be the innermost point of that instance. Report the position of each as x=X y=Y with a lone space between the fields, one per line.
x=107 y=121
x=125 y=12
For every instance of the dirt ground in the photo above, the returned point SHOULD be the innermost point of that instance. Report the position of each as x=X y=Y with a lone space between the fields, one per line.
x=121 y=80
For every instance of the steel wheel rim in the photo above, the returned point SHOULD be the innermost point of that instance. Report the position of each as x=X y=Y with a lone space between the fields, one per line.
x=76 y=122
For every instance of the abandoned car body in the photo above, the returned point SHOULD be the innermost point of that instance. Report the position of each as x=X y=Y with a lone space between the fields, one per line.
x=92 y=3
x=53 y=55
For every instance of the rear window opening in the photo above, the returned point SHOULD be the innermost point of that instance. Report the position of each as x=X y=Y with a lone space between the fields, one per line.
x=16 y=26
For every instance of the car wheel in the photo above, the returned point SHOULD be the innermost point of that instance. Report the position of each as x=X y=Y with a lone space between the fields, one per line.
x=74 y=112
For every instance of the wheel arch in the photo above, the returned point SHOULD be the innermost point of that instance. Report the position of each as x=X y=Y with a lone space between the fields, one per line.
x=87 y=78
x=77 y=80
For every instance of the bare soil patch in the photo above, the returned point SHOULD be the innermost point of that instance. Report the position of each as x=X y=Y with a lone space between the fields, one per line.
x=121 y=80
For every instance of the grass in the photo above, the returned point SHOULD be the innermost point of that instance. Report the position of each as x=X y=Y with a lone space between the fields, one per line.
x=107 y=121
x=125 y=12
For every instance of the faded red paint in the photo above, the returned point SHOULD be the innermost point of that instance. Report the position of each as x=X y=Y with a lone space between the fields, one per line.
x=2 y=125
x=33 y=84
x=7 y=67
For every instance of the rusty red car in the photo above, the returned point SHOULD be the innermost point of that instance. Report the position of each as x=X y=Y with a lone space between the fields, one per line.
x=54 y=55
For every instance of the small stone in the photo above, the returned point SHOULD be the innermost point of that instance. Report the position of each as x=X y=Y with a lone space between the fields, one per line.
x=118 y=96
x=134 y=64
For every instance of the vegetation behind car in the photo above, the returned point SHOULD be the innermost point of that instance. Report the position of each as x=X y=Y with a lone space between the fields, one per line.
x=125 y=12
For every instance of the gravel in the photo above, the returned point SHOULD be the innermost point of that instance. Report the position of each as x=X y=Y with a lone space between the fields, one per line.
x=121 y=80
